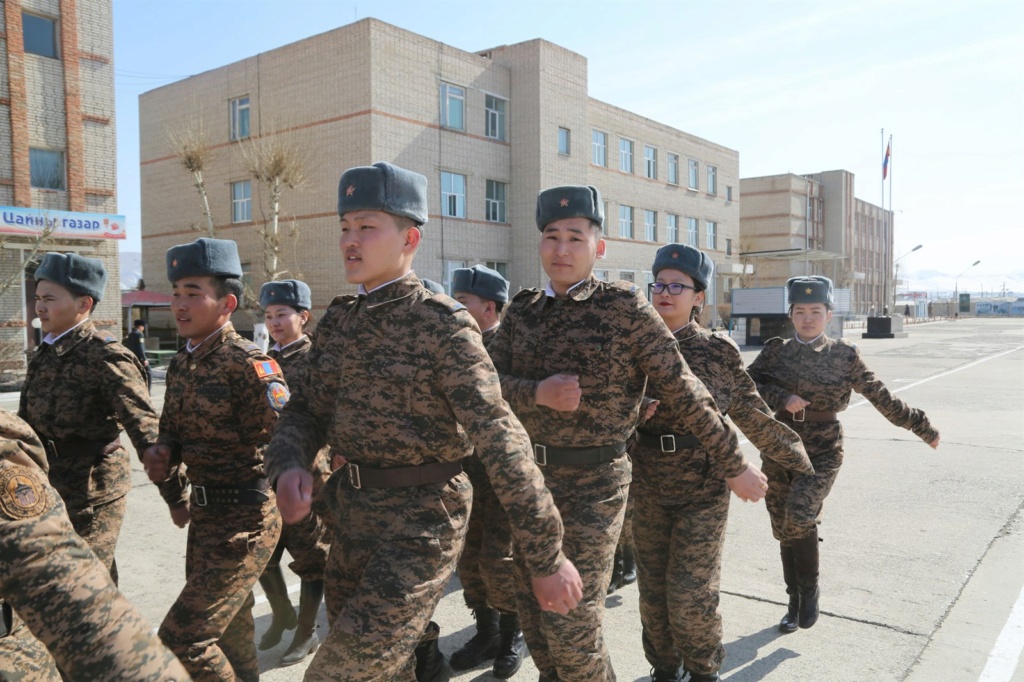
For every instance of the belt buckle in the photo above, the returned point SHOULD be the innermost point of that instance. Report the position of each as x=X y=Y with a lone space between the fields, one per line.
x=802 y=415
x=354 y=479
x=51 y=449
x=540 y=455
x=672 y=440
x=199 y=495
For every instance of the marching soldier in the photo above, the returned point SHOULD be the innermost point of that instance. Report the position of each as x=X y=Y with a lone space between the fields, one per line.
x=81 y=389
x=223 y=397
x=574 y=359
x=808 y=379
x=56 y=583
x=681 y=489
x=406 y=390
x=286 y=305
x=485 y=568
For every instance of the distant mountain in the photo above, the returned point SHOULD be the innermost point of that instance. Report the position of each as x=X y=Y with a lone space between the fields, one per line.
x=941 y=285
x=131 y=269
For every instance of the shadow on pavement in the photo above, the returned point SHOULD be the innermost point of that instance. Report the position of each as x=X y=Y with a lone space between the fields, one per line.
x=745 y=650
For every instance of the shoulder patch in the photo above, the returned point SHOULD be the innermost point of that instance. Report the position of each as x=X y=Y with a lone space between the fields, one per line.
x=267 y=368
x=338 y=300
x=22 y=493
x=774 y=341
x=445 y=302
x=107 y=337
x=277 y=395
x=525 y=294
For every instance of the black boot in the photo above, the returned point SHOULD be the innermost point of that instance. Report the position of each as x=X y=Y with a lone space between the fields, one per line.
x=306 y=641
x=272 y=582
x=704 y=677
x=628 y=566
x=483 y=646
x=431 y=665
x=805 y=555
x=791 y=619
x=616 y=582
x=510 y=653
x=667 y=674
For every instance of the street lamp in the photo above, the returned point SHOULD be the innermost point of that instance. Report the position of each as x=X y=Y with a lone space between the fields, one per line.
x=956 y=287
x=896 y=276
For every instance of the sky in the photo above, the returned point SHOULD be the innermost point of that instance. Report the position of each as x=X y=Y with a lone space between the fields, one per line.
x=794 y=87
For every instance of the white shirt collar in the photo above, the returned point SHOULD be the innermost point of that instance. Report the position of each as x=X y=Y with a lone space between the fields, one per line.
x=495 y=326
x=361 y=290
x=51 y=339
x=278 y=347
x=551 y=292
x=808 y=343
x=191 y=349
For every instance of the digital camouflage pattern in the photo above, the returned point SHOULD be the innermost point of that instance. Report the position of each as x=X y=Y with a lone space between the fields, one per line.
x=220 y=408
x=81 y=391
x=825 y=373
x=404 y=379
x=60 y=589
x=613 y=340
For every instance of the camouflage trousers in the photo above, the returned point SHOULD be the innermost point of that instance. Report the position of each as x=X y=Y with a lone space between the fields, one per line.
x=392 y=555
x=23 y=658
x=679 y=568
x=308 y=544
x=485 y=567
x=795 y=500
x=572 y=648
x=100 y=526
x=210 y=627
x=626 y=535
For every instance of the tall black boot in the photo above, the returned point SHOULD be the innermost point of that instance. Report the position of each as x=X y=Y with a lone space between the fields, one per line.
x=284 y=618
x=616 y=581
x=789 y=622
x=628 y=566
x=483 y=646
x=805 y=554
x=431 y=665
x=306 y=641
x=510 y=653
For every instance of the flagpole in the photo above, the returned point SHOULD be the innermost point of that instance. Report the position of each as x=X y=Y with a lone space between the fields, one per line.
x=890 y=216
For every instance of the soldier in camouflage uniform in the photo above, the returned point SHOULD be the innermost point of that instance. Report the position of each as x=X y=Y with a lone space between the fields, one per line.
x=59 y=587
x=222 y=400
x=406 y=390
x=681 y=489
x=574 y=360
x=81 y=389
x=286 y=305
x=485 y=568
x=808 y=379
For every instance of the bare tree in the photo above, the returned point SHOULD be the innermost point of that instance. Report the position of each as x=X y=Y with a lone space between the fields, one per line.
x=195 y=153
x=277 y=165
x=12 y=352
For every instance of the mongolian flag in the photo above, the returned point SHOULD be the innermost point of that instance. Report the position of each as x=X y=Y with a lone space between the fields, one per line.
x=885 y=162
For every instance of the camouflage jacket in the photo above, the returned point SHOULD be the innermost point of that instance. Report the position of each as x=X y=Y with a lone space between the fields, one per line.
x=220 y=408
x=86 y=387
x=403 y=379
x=609 y=336
x=825 y=373
x=294 y=363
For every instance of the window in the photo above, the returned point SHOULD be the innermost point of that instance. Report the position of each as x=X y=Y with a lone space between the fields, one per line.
x=494 y=121
x=600 y=147
x=40 y=35
x=650 y=225
x=241 y=201
x=453 y=106
x=626 y=222
x=673 y=169
x=672 y=228
x=648 y=280
x=240 y=118
x=498 y=266
x=692 y=227
x=712 y=235
x=728 y=192
x=627 y=276
x=712 y=180
x=495 y=202
x=450 y=266
x=453 y=195
x=728 y=247
x=693 y=180
x=626 y=156
x=650 y=162
x=46 y=169
x=601 y=275
x=564 y=141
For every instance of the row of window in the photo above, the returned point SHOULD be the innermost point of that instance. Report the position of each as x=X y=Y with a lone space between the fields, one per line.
x=627 y=216
x=40 y=35
x=453 y=112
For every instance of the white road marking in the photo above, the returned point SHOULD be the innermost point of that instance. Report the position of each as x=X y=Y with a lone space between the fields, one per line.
x=1002 y=662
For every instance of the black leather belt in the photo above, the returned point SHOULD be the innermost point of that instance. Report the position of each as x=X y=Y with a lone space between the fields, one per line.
x=402 y=477
x=668 y=442
x=55 y=449
x=248 y=492
x=546 y=454
x=806 y=416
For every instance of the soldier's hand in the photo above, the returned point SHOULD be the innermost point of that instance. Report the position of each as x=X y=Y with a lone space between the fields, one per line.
x=156 y=460
x=181 y=516
x=652 y=407
x=294 y=494
x=559 y=392
x=795 y=403
x=561 y=591
x=935 y=443
x=750 y=486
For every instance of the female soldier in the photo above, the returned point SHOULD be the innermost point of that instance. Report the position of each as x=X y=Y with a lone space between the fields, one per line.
x=286 y=306
x=681 y=491
x=808 y=379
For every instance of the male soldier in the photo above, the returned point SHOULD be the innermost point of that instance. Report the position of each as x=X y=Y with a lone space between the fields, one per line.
x=574 y=359
x=485 y=568
x=81 y=389
x=59 y=587
x=136 y=343
x=223 y=396
x=406 y=391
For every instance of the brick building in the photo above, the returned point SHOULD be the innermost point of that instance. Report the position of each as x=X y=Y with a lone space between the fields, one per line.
x=489 y=130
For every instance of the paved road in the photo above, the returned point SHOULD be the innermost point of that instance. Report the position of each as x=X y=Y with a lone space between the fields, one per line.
x=923 y=558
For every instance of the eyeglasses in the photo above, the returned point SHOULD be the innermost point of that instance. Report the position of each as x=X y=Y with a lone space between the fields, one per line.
x=674 y=288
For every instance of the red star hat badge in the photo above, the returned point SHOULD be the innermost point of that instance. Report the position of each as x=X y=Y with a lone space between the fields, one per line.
x=174 y=263
x=563 y=203
x=350 y=190
x=675 y=254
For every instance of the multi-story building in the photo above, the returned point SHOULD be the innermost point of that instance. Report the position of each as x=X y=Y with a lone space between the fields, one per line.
x=813 y=224
x=489 y=130
x=57 y=155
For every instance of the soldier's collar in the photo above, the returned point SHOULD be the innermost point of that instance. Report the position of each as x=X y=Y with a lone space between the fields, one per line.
x=72 y=337
x=292 y=348
x=814 y=344
x=393 y=290
x=580 y=291
x=689 y=330
x=211 y=342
